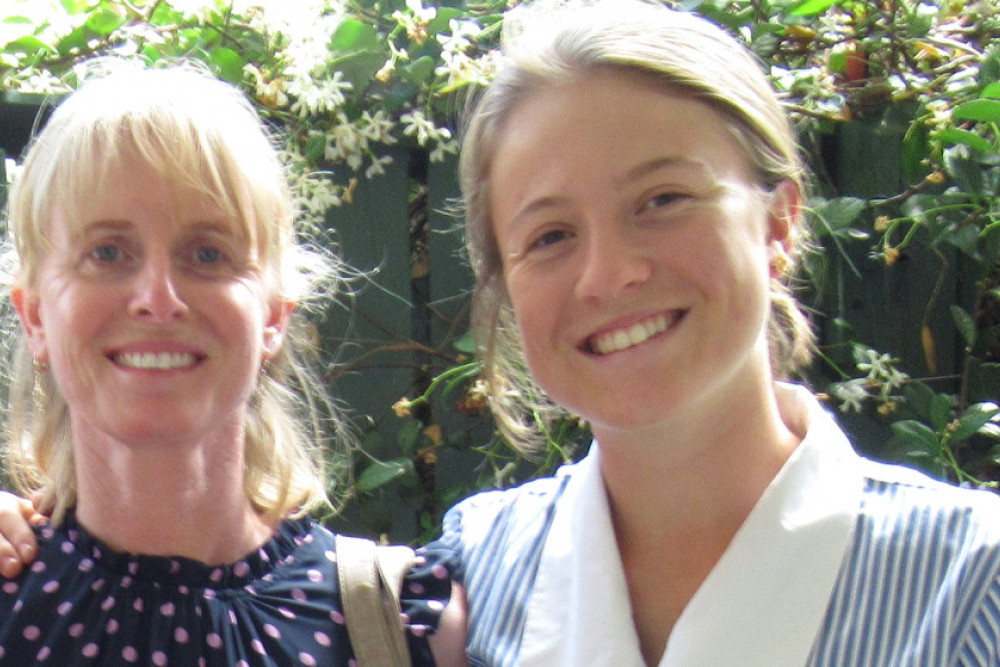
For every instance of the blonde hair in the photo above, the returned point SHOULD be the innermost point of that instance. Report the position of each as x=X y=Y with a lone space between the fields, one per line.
x=202 y=134
x=547 y=44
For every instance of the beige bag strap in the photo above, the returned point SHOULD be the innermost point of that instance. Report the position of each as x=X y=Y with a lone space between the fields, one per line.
x=371 y=577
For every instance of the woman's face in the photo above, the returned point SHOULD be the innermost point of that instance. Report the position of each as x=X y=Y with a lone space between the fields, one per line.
x=152 y=312
x=635 y=250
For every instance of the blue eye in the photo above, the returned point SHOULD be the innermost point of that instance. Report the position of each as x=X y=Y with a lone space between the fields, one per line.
x=662 y=200
x=549 y=238
x=207 y=255
x=107 y=253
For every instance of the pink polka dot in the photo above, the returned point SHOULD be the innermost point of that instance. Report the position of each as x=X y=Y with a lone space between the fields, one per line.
x=216 y=575
x=86 y=565
x=322 y=638
x=167 y=609
x=232 y=617
x=38 y=566
x=405 y=618
x=175 y=567
x=111 y=627
x=418 y=630
x=129 y=654
x=214 y=640
x=76 y=630
x=31 y=633
x=159 y=658
x=97 y=585
x=18 y=605
x=286 y=612
x=417 y=588
x=241 y=569
x=10 y=588
x=181 y=636
x=90 y=650
x=307 y=659
x=108 y=603
x=67 y=547
x=209 y=594
x=337 y=617
x=242 y=663
x=43 y=654
x=440 y=571
x=315 y=576
x=435 y=605
x=184 y=590
x=299 y=595
x=3 y=651
x=64 y=608
x=51 y=587
x=330 y=555
x=271 y=631
x=138 y=604
x=258 y=646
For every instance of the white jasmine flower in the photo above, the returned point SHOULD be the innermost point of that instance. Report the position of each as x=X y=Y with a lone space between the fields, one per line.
x=851 y=394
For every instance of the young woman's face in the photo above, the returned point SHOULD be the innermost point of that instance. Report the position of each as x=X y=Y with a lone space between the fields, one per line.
x=635 y=250
x=152 y=312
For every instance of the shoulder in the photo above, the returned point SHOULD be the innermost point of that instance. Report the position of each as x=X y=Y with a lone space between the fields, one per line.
x=522 y=506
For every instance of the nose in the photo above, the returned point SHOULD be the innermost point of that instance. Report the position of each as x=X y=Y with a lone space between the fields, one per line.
x=612 y=265
x=155 y=296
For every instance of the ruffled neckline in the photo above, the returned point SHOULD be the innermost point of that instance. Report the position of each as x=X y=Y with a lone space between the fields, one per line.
x=178 y=570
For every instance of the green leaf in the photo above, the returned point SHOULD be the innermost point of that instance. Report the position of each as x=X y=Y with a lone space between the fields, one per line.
x=983 y=111
x=28 y=45
x=917 y=435
x=408 y=435
x=381 y=473
x=359 y=68
x=76 y=6
x=420 y=70
x=440 y=21
x=840 y=212
x=919 y=397
x=991 y=91
x=228 y=63
x=812 y=7
x=974 y=418
x=105 y=20
x=353 y=35
x=465 y=344
x=941 y=409
x=966 y=325
x=954 y=135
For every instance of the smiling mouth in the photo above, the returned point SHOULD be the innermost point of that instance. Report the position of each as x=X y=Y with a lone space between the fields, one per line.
x=161 y=361
x=637 y=334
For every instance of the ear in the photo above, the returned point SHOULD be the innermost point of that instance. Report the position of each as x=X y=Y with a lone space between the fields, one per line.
x=28 y=307
x=278 y=316
x=784 y=210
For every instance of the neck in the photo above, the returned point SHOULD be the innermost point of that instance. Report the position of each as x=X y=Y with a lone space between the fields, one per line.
x=178 y=500
x=679 y=493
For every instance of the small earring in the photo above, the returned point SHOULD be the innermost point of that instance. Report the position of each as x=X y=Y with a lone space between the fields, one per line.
x=779 y=264
x=40 y=365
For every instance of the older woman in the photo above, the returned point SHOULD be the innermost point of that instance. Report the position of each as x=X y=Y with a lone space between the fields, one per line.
x=633 y=191
x=158 y=401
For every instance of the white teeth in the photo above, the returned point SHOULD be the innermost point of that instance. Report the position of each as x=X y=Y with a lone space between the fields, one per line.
x=155 y=360
x=623 y=339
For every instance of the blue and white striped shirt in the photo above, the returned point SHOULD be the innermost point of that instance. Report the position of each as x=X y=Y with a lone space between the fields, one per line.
x=915 y=582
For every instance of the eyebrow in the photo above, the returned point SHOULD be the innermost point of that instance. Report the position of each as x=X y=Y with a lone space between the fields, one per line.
x=636 y=173
x=657 y=164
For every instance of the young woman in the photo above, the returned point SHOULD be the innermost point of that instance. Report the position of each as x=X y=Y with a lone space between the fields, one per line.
x=632 y=191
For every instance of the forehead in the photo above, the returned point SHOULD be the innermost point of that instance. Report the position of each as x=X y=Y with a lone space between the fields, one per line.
x=605 y=125
x=129 y=189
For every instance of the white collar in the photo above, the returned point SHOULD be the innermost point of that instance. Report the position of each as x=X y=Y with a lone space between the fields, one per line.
x=763 y=602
